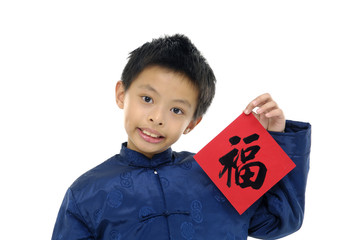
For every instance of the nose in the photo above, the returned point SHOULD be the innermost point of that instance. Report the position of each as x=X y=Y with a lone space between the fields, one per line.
x=156 y=122
x=156 y=117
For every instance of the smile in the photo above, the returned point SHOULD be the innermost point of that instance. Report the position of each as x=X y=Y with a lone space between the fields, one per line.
x=150 y=136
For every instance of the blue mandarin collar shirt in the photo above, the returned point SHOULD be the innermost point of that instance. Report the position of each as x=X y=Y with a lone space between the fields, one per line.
x=130 y=196
x=137 y=159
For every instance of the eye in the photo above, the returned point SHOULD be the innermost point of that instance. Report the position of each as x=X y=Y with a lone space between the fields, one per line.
x=177 y=111
x=147 y=99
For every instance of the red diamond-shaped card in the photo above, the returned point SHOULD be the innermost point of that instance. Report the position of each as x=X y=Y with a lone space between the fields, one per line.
x=244 y=161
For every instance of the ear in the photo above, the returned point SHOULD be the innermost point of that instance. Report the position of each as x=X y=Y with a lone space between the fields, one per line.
x=192 y=125
x=119 y=94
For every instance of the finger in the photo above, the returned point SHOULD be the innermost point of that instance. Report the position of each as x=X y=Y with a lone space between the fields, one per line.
x=257 y=102
x=260 y=100
x=249 y=108
x=263 y=120
x=267 y=107
x=275 y=113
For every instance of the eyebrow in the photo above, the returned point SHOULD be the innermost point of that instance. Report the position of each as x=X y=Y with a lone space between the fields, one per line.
x=181 y=101
x=150 y=88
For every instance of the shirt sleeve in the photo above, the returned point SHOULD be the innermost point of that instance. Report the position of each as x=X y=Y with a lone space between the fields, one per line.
x=70 y=224
x=280 y=211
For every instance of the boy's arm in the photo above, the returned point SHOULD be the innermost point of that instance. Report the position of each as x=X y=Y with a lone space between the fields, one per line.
x=70 y=224
x=280 y=211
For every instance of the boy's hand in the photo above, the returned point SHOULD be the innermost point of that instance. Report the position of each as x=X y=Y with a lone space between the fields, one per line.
x=268 y=113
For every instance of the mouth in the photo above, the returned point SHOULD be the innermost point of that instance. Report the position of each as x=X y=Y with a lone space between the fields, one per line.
x=150 y=135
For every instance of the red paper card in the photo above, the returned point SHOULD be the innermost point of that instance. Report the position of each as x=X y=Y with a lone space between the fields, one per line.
x=244 y=161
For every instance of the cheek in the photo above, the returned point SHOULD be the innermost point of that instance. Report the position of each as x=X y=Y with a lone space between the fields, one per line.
x=180 y=126
x=130 y=116
x=131 y=109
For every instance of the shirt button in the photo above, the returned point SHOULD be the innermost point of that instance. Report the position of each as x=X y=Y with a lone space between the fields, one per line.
x=155 y=172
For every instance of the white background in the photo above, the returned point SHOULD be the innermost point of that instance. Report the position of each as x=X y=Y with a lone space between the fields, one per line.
x=60 y=61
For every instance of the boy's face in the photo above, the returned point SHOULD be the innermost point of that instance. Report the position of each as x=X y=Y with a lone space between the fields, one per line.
x=158 y=108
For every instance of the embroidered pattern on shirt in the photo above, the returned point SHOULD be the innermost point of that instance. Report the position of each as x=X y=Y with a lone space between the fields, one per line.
x=196 y=211
x=115 y=198
x=187 y=230
x=187 y=165
x=144 y=214
x=126 y=180
x=115 y=235
x=218 y=195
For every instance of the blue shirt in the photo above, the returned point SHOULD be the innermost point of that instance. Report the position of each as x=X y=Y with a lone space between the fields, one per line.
x=130 y=196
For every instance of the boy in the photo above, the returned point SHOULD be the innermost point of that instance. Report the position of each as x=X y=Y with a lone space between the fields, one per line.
x=150 y=192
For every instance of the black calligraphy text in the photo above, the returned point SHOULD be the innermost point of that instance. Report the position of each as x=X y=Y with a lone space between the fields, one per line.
x=243 y=173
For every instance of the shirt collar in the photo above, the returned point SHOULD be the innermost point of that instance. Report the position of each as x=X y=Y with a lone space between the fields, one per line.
x=134 y=158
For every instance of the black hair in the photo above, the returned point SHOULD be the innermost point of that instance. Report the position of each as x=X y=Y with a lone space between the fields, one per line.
x=179 y=54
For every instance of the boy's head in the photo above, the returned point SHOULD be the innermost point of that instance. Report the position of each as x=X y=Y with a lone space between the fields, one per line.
x=165 y=89
x=176 y=53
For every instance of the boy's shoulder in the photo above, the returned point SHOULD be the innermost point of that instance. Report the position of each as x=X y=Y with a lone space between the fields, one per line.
x=103 y=173
x=183 y=156
x=113 y=169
